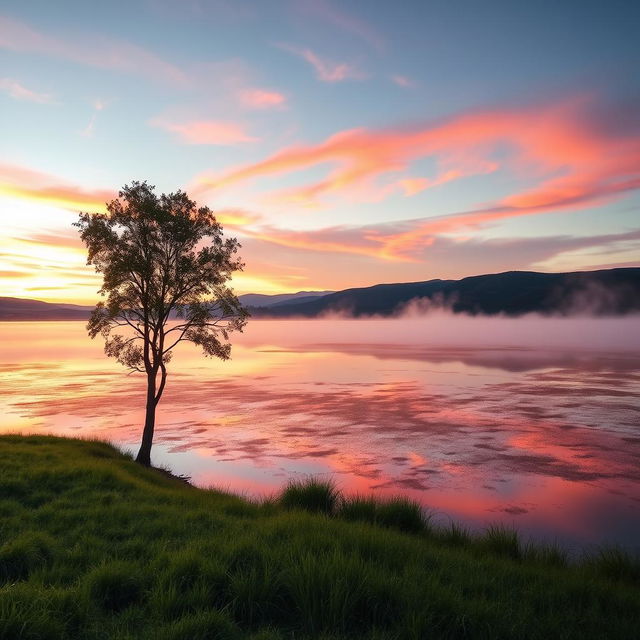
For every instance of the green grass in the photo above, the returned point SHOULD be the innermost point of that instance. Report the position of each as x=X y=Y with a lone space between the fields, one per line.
x=397 y=513
x=93 y=546
x=311 y=494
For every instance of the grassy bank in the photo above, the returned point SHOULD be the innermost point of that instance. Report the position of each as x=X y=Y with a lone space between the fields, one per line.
x=94 y=546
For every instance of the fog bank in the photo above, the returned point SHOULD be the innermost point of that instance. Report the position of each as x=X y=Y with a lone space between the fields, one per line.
x=445 y=329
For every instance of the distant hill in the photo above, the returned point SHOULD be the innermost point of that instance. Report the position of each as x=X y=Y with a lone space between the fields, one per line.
x=18 y=309
x=604 y=292
x=264 y=300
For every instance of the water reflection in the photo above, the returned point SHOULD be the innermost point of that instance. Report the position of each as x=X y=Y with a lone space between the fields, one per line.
x=541 y=437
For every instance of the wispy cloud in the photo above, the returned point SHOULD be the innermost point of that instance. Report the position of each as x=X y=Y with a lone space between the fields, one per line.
x=215 y=11
x=29 y=184
x=215 y=132
x=19 y=92
x=95 y=51
x=403 y=81
x=89 y=130
x=354 y=26
x=223 y=87
x=447 y=256
x=326 y=70
x=261 y=98
x=235 y=84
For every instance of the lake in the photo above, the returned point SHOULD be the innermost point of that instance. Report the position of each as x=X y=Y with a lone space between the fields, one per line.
x=533 y=423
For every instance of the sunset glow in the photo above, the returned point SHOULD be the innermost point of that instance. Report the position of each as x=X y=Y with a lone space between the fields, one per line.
x=319 y=319
x=343 y=146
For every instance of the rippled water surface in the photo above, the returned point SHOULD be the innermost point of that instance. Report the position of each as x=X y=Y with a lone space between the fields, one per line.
x=534 y=423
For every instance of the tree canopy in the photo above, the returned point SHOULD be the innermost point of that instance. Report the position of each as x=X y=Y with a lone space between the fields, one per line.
x=165 y=267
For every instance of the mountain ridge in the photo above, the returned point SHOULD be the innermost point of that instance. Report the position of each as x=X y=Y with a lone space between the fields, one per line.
x=600 y=292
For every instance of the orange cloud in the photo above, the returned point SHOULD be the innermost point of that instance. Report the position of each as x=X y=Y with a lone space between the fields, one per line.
x=326 y=240
x=95 y=51
x=216 y=132
x=236 y=217
x=16 y=91
x=261 y=99
x=428 y=241
x=404 y=241
x=412 y=186
x=20 y=182
x=573 y=161
x=65 y=239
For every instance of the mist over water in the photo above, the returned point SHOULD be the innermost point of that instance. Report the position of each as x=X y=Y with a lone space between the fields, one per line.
x=441 y=328
x=532 y=422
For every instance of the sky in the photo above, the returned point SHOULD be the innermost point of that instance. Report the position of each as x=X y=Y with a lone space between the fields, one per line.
x=344 y=143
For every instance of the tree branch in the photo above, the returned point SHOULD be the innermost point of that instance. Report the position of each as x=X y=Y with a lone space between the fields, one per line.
x=163 y=381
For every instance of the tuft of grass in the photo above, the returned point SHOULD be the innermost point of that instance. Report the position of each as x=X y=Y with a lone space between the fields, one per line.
x=359 y=509
x=398 y=512
x=255 y=590
x=29 y=614
x=403 y=514
x=614 y=563
x=336 y=591
x=115 y=586
x=25 y=554
x=311 y=494
x=204 y=625
x=185 y=568
x=547 y=554
x=454 y=535
x=501 y=541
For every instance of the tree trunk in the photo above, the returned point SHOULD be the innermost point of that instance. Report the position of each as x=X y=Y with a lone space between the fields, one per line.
x=144 y=454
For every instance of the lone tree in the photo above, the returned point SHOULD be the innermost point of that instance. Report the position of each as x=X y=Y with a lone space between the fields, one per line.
x=165 y=266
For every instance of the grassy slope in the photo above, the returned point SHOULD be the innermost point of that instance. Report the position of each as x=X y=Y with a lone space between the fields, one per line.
x=94 y=546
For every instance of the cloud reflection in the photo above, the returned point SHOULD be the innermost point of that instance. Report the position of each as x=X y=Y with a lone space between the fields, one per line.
x=478 y=434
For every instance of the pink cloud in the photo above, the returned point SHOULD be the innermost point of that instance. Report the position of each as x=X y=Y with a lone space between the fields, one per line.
x=412 y=186
x=18 y=92
x=571 y=159
x=216 y=132
x=412 y=242
x=403 y=81
x=261 y=98
x=326 y=71
x=29 y=184
x=542 y=142
x=95 y=51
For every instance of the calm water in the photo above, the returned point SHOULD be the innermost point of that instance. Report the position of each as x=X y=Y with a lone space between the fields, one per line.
x=483 y=421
